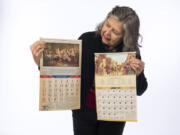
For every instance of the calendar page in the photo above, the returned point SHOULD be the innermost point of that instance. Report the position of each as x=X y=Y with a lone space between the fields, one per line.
x=60 y=75
x=115 y=84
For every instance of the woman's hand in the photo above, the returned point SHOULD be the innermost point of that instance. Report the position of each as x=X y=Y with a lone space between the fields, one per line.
x=137 y=65
x=37 y=48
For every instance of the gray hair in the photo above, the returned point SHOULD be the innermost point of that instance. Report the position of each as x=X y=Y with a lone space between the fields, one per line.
x=131 y=26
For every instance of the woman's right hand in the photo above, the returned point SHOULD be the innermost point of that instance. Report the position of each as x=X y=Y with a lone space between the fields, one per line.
x=37 y=48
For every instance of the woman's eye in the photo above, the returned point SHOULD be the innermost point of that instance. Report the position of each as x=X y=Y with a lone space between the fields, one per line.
x=107 y=25
x=115 y=32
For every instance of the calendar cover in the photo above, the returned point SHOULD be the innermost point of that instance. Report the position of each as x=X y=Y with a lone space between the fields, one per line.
x=115 y=84
x=60 y=75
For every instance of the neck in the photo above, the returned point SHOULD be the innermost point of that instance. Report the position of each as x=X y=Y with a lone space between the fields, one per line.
x=110 y=48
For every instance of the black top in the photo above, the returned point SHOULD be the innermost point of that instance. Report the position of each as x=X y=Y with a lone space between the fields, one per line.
x=92 y=43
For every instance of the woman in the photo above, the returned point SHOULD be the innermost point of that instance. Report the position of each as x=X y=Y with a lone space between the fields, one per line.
x=119 y=32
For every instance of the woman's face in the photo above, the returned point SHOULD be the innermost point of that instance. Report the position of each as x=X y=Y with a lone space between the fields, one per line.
x=112 y=32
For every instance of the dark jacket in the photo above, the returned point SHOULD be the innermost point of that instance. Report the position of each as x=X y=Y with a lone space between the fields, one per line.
x=91 y=43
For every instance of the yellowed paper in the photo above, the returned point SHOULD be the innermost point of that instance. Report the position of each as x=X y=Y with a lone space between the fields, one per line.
x=60 y=75
x=115 y=84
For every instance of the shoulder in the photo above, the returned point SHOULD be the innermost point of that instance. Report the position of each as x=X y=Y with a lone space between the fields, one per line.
x=88 y=35
x=90 y=40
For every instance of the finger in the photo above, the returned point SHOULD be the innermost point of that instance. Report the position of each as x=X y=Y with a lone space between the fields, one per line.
x=34 y=45
x=141 y=66
x=37 y=56
x=135 y=69
x=139 y=69
x=138 y=64
x=38 y=52
x=37 y=45
x=134 y=65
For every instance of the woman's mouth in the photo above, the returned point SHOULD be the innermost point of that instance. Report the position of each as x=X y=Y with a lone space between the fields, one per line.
x=107 y=39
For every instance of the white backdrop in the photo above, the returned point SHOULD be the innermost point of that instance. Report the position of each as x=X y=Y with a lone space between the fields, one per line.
x=22 y=22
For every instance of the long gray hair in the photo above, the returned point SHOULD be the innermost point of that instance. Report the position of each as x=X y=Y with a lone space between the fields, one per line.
x=130 y=27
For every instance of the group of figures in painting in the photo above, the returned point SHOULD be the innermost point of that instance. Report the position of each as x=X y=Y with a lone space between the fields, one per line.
x=105 y=65
x=61 y=55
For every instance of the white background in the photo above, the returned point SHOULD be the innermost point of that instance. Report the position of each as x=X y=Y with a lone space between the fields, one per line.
x=22 y=22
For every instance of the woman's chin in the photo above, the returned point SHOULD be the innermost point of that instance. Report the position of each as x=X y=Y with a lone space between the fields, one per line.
x=105 y=42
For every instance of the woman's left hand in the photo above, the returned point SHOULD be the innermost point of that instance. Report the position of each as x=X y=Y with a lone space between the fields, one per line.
x=137 y=65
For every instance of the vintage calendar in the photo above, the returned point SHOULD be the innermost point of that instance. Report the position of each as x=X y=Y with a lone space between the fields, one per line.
x=115 y=84
x=60 y=75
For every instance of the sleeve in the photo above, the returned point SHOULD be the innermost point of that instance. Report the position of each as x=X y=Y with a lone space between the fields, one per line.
x=141 y=82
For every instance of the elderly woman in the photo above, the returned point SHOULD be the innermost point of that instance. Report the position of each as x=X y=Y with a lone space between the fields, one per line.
x=119 y=32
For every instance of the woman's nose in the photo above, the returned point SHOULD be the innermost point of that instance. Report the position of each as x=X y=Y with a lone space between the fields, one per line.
x=108 y=32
